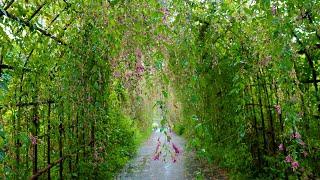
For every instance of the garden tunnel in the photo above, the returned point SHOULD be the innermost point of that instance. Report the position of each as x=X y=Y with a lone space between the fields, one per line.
x=81 y=82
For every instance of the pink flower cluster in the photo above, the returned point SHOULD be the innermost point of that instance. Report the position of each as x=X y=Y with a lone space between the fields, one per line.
x=305 y=154
x=139 y=64
x=156 y=156
x=295 y=135
x=294 y=164
x=176 y=152
x=158 y=151
x=302 y=143
x=139 y=68
x=288 y=159
x=33 y=140
x=278 y=109
x=281 y=147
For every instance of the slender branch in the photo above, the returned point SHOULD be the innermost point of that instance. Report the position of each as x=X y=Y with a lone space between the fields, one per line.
x=8 y=5
x=39 y=173
x=56 y=17
x=318 y=35
x=37 y=11
x=29 y=55
x=5 y=66
x=31 y=26
x=24 y=104
x=309 y=59
x=68 y=4
x=35 y=103
x=260 y=105
x=310 y=81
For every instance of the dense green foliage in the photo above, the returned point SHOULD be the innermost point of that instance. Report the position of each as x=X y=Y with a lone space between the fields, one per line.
x=81 y=81
x=73 y=102
x=250 y=85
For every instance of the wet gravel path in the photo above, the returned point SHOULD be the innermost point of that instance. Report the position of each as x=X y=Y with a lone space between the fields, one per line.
x=145 y=167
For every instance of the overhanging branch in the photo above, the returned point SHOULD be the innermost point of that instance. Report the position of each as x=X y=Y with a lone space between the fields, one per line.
x=37 y=11
x=8 y=5
x=31 y=26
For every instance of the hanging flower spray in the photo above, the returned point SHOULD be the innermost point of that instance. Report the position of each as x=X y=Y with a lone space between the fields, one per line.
x=165 y=146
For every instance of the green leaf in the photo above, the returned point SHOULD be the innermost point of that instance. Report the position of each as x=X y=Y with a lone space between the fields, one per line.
x=165 y=94
x=2 y=156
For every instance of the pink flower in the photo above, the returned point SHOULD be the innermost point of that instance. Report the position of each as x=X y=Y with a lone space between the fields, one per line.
x=33 y=139
x=174 y=159
x=138 y=53
x=139 y=67
x=302 y=143
x=288 y=159
x=156 y=156
x=158 y=151
x=176 y=150
x=278 y=109
x=158 y=145
x=274 y=9
x=281 y=147
x=296 y=135
x=128 y=74
x=116 y=74
x=294 y=165
x=305 y=154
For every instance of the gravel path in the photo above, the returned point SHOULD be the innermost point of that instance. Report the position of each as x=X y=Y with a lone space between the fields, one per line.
x=145 y=167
